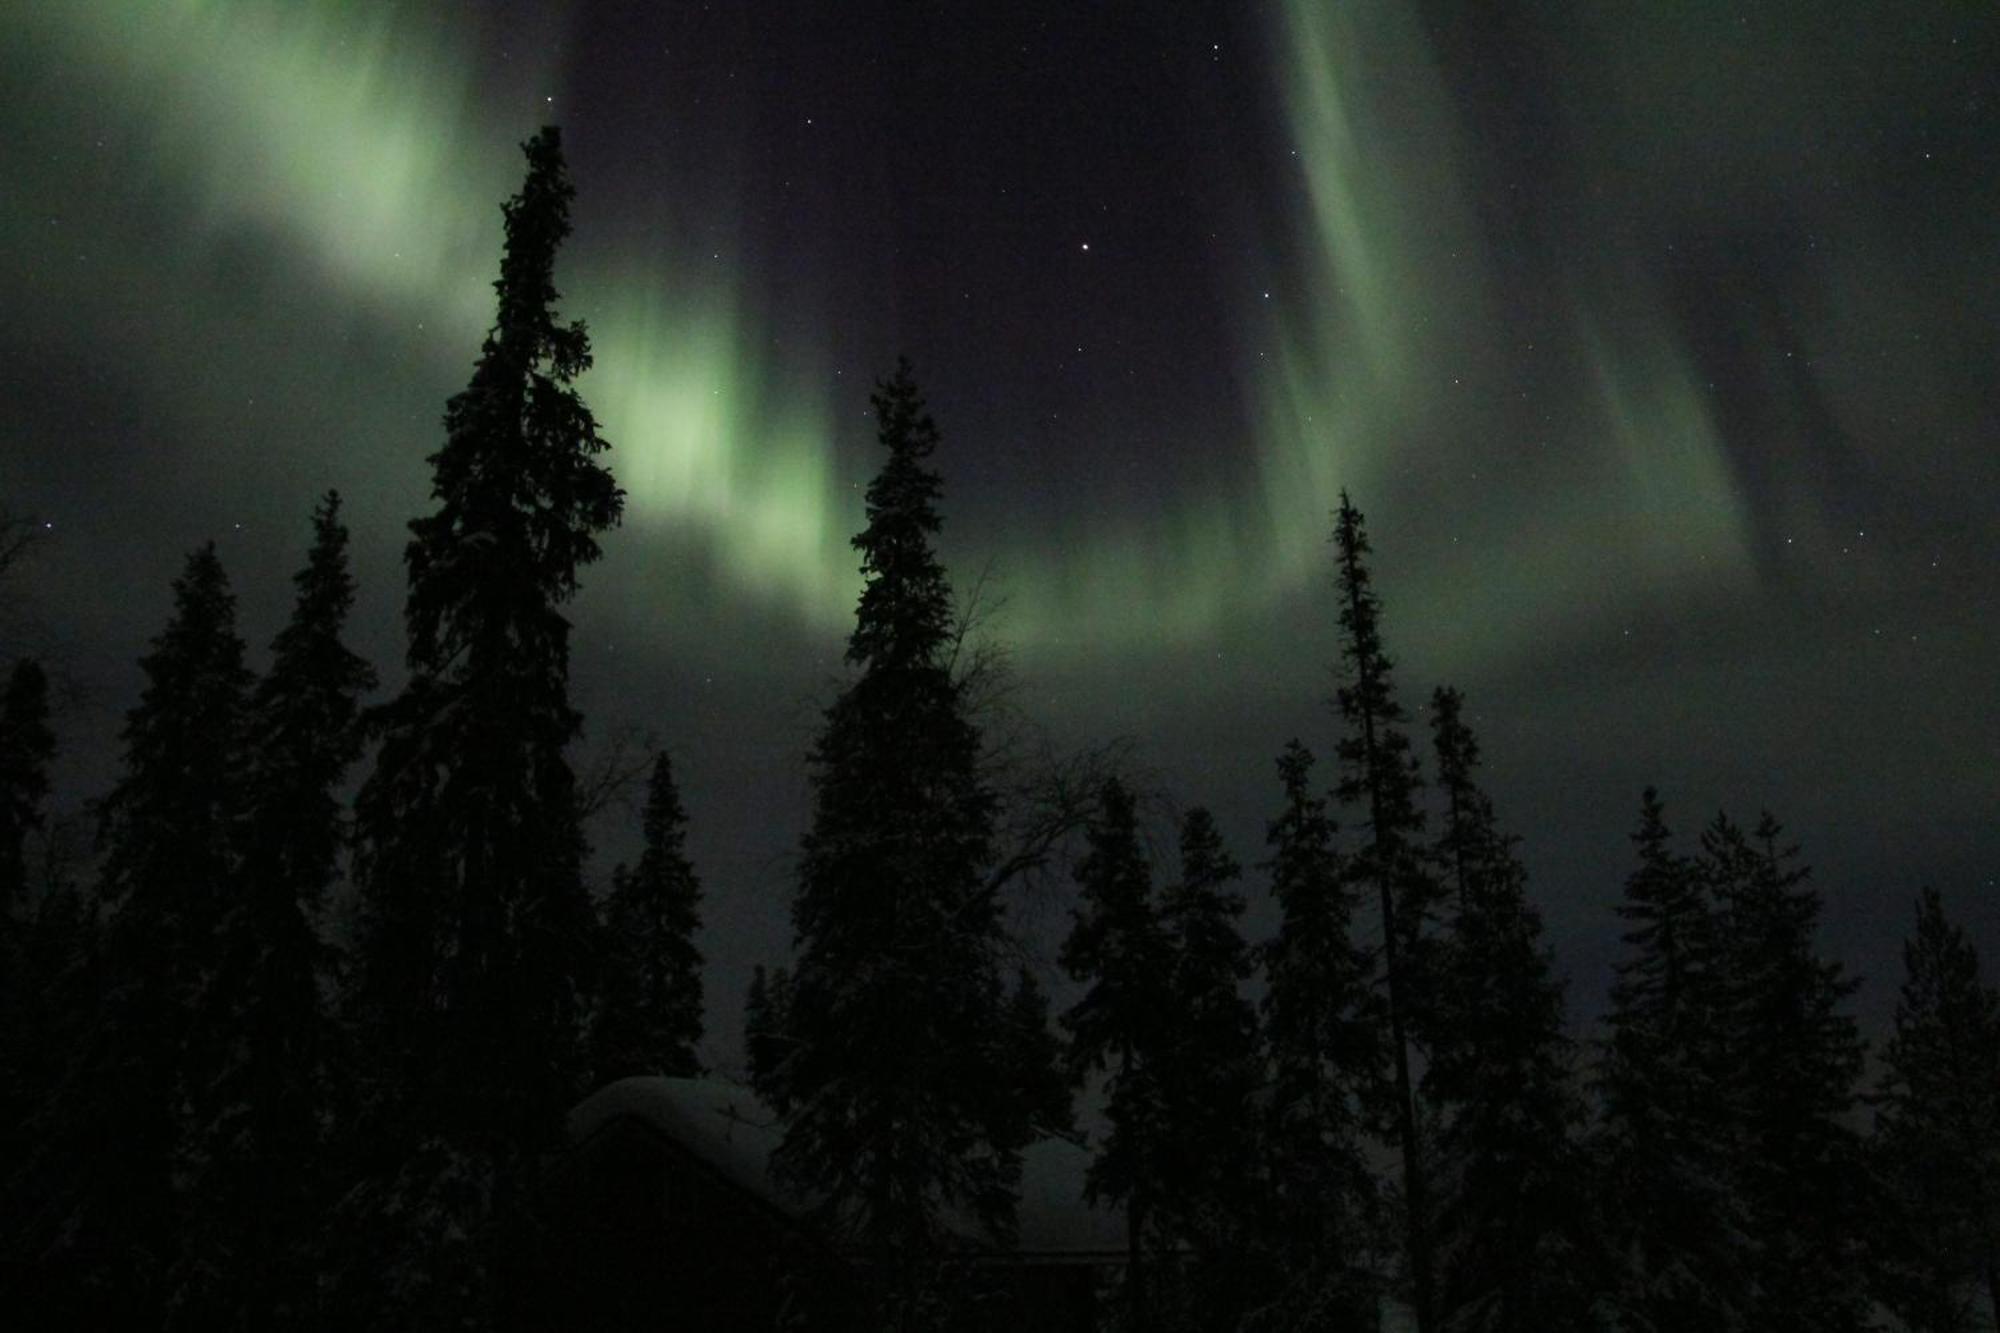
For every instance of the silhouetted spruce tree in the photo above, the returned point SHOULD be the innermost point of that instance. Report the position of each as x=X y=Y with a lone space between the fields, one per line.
x=1379 y=779
x=1937 y=1129
x=649 y=1015
x=897 y=1109
x=108 y=1213
x=1211 y=1070
x=26 y=747
x=1034 y=1057
x=1122 y=1025
x=1794 y=1058
x=764 y=1045
x=476 y=933
x=253 y=1164
x=1511 y=1213
x=1668 y=1141
x=54 y=1005
x=1322 y=1028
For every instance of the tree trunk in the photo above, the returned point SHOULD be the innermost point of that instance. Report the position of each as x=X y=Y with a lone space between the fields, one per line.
x=1416 y=1198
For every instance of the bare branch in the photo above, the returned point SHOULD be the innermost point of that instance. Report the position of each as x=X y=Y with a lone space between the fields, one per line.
x=1047 y=792
x=1048 y=797
x=616 y=772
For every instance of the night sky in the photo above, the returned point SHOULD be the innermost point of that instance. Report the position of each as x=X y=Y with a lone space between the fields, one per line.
x=1657 y=342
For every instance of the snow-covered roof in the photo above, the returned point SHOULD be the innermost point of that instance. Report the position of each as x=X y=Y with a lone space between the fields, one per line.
x=724 y=1125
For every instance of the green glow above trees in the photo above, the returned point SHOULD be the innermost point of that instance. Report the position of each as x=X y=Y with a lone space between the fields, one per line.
x=367 y=144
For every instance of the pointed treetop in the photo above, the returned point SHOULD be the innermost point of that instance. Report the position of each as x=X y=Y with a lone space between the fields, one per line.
x=650 y=1011
x=1381 y=773
x=1941 y=956
x=1477 y=854
x=1652 y=830
x=195 y=674
x=325 y=577
x=521 y=496
x=1295 y=767
x=665 y=821
x=1663 y=879
x=1305 y=863
x=1201 y=910
x=1360 y=617
x=308 y=655
x=1201 y=847
x=1115 y=942
x=168 y=824
x=1457 y=747
x=537 y=221
x=1200 y=903
x=905 y=610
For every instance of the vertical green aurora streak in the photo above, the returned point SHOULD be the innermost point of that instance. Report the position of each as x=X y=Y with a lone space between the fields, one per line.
x=359 y=141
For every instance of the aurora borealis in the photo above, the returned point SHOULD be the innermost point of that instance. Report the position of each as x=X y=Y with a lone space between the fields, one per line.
x=1657 y=343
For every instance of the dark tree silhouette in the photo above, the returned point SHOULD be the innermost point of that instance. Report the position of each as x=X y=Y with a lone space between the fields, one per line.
x=1323 y=1029
x=1938 y=1128
x=1212 y=1068
x=896 y=1102
x=52 y=1007
x=1034 y=1057
x=1122 y=1025
x=1512 y=1235
x=105 y=1210
x=255 y=1176
x=476 y=931
x=1379 y=779
x=764 y=1040
x=26 y=747
x=1668 y=1139
x=1793 y=1061
x=19 y=536
x=1210 y=1072
x=649 y=1015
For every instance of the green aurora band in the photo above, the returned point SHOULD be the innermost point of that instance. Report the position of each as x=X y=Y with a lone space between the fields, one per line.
x=373 y=162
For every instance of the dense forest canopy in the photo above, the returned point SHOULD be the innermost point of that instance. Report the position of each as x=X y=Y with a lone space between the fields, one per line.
x=1487 y=904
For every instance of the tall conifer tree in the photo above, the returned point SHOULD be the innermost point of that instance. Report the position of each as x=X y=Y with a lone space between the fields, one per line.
x=1322 y=1026
x=1213 y=1064
x=1669 y=1137
x=764 y=1041
x=896 y=1101
x=1212 y=1068
x=649 y=1015
x=26 y=747
x=53 y=1004
x=1122 y=1026
x=1793 y=1060
x=1938 y=1128
x=253 y=1162
x=1511 y=1186
x=476 y=931
x=1379 y=779
x=109 y=1211
x=1035 y=1061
